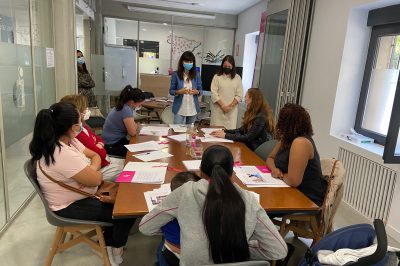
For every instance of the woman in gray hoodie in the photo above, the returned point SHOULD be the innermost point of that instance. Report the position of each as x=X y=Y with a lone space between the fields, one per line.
x=220 y=222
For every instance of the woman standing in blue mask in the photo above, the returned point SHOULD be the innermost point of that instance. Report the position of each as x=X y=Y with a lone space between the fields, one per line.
x=85 y=81
x=186 y=87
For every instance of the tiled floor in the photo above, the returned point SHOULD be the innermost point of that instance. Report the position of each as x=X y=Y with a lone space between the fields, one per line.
x=28 y=239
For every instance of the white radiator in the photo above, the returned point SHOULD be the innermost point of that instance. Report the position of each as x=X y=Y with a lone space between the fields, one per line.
x=369 y=186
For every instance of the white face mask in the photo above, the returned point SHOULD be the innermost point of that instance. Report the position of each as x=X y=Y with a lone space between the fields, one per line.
x=78 y=132
x=87 y=115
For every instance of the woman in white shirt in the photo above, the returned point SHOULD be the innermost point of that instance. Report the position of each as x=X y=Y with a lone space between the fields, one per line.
x=226 y=93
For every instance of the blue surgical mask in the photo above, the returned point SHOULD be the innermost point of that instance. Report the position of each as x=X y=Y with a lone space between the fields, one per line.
x=187 y=66
x=80 y=60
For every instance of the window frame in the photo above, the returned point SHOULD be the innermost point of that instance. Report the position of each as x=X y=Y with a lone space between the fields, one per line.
x=376 y=33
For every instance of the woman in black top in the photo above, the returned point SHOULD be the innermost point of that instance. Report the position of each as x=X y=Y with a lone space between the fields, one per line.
x=295 y=158
x=258 y=122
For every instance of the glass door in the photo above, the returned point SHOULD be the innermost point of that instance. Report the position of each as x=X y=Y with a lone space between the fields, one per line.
x=272 y=55
x=17 y=99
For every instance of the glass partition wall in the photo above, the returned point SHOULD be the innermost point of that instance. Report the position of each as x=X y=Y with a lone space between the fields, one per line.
x=157 y=49
x=27 y=74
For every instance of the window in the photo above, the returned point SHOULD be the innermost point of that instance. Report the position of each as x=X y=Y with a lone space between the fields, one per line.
x=378 y=115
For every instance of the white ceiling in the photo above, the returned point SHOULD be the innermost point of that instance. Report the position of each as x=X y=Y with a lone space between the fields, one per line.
x=213 y=6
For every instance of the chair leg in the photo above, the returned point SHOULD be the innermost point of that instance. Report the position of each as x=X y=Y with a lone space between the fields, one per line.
x=102 y=245
x=54 y=247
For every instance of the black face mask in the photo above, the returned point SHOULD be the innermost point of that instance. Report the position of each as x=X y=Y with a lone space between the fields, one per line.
x=227 y=70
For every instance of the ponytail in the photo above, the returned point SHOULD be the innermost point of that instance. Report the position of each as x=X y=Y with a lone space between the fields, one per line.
x=127 y=94
x=224 y=209
x=50 y=125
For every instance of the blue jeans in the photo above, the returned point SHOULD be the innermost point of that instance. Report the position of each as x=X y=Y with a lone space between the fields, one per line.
x=180 y=119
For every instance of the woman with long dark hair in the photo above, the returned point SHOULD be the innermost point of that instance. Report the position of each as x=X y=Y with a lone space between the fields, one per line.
x=85 y=81
x=120 y=123
x=62 y=157
x=111 y=167
x=295 y=158
x=258 y=122
x=226 y=93
x=186 y=87
x=219 y=221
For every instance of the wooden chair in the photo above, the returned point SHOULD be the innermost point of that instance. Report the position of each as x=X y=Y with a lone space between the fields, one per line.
x=321 y=223
x=65 y=225
x=167 y=117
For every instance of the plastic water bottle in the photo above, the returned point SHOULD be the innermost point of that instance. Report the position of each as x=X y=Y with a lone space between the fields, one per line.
x=189 y=135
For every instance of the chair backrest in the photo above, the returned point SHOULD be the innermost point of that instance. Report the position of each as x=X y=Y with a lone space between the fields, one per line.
x=335 y=173
x=167 y=117
x=52 y=218
x=247 y=263
x=265 y=149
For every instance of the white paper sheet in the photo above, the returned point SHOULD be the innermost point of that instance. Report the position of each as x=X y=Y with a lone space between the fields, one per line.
x=209 y=138
x=193 y=165
x=136 y=166
x=208 y=130
x=252 y=177
x=154 y=197
x=150 y=176
x=152 y=155
x=154 y=131
x=143 y=146
x=179 y=137
x=178 y=128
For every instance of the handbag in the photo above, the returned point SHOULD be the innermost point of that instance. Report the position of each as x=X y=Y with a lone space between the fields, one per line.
x=106 y=192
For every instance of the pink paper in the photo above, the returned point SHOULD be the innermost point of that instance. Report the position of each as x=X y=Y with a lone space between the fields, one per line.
x=125 y=177
x=263 y=169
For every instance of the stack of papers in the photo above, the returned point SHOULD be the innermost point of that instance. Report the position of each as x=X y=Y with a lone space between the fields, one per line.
x=209 y=138
x=144 y=146
x=179 y=137
x=257 y=176
x=154 y=131
x=210 y=129
x=152 y=155
x=178 y=128
x=144 y=173
x=192 y=165
x=154 y=197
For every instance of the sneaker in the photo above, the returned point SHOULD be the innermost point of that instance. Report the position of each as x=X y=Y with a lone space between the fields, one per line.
x=118 y=257
x=111 y=257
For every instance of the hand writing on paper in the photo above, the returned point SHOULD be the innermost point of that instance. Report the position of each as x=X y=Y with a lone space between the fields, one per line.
x=277 y=173
x=218 y=134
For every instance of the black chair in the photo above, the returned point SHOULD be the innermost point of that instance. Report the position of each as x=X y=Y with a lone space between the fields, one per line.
x=67 y=225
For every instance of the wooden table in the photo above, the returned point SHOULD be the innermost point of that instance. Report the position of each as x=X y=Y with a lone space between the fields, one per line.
x=130 y=200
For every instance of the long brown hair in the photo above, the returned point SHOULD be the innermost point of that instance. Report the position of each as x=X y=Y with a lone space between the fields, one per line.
x=294 y=121
x=258 y=104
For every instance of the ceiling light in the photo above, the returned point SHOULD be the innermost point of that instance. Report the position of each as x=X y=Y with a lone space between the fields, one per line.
x=171 y=13
x=165 y=24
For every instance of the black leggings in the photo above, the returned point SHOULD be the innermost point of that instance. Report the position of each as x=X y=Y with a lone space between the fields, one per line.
x=94 y=210
x=117 y=148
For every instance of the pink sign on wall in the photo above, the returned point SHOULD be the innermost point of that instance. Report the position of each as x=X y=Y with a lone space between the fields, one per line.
x=263 y=21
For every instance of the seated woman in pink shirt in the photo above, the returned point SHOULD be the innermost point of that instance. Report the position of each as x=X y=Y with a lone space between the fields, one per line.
x=62 y=157
x=111 y=167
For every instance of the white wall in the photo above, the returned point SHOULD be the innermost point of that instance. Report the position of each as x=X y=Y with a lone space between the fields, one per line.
x=248 y=21
x=334 y=72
